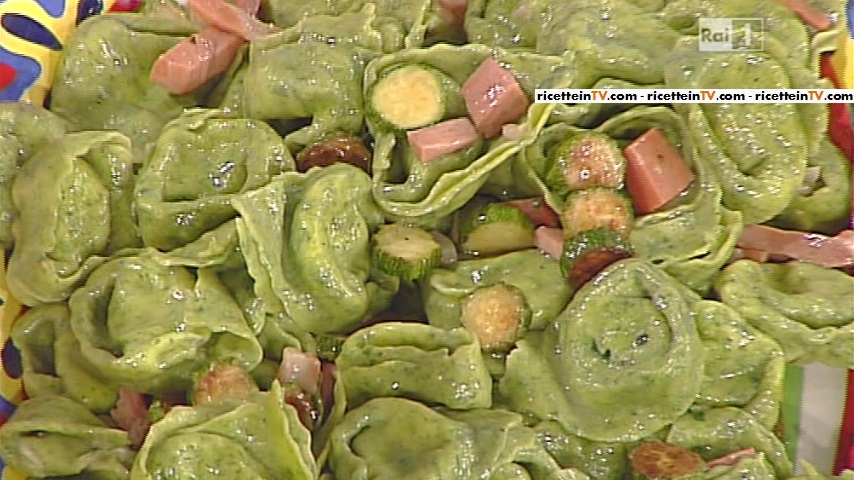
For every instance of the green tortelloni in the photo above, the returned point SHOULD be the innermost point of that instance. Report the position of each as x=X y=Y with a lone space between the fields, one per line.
x=293 y=82
x=306 y=240
x=416 y=192
x=602 y=38
x=102 y=81
x=599 y=460
x=416 y=361
x=199 y=162
x=806 y=308
x=779 y=21
x=400 y=23
x=528 y=173
x=274 y=331
x=150 y=327
x=260 y=438
x=716 y=432
x=52 y=362
x=53 y=436
x=757 y=153
x=74 y=201
x=690 y=241
x=537 y=277
x=823 y=206
x=34 y=335
x=508 y=23
x=622 y=361
x=743 y=367
x=24 y=128
x=377 y=441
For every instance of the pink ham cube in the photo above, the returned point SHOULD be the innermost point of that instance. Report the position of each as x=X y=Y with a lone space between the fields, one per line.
x=493 y=98
x=442 y=138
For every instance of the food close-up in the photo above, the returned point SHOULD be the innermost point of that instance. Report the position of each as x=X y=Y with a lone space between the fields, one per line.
x=341 y=240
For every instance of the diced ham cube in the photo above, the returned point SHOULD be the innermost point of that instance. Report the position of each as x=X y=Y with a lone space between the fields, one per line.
x=442 y=138
x=239 y=20
x=493 y=98
x=300 y=368
x=193 y=62
x=131 y=415
x=655 y=171
x=550 y=241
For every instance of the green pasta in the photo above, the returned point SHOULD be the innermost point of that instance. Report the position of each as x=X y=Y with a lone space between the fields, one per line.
x=416 y=361
x=150 y=327
x=630 y=336
x=307 y=246
x=179 y=198
x=804 y=307
x=43 y=444
x=260 y=438
x=24 y=128
x=98 y=88
x=74 y=202
x=197 y=308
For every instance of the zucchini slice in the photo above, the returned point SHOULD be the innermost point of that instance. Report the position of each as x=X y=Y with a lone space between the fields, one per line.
x=495 y=229
x=414 y=96
x=589 y=252
x=407 y=252
x=597 y=208
x=497 y=315
x=584 y=161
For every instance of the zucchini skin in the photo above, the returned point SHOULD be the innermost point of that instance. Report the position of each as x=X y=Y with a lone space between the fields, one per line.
x=407 y=252
x=590 y=252
x=587 y=160
x=495 y=229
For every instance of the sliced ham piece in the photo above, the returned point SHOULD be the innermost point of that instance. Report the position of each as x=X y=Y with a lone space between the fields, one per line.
x=537 y=210
x=655 y=171
x=442 y=138
x=760 y=256
x=239 y=20
x=809 y=14
x=830 y=252
x=731 y=458
x=305 y=405
x=193 y=62
x=550 y=241
x=300 y=368
x=224 y=383
x=493 y=98
x=131 y=415
x=328 y=374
